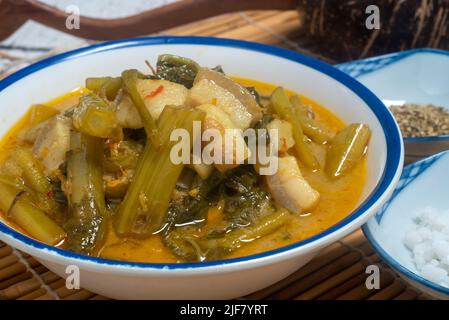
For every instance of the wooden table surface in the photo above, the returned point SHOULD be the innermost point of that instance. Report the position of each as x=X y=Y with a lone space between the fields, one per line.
x=337 y=273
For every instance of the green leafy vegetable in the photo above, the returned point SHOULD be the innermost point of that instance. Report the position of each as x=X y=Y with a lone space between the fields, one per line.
x=245 y=205
x=186 y=245
x=176 y=69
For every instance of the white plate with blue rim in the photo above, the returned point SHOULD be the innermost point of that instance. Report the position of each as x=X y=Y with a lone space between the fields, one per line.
x=418 y=76
x=423 y=184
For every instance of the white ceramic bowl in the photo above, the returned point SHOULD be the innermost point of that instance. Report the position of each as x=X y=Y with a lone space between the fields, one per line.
x=423 y=184
x=218 y=279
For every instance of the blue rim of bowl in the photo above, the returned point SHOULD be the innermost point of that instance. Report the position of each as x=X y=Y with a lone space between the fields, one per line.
x=390 y=129
x=392 y=261
x=393 y=58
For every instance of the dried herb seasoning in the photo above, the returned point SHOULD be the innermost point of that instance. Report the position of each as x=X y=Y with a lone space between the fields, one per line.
x=421 y=120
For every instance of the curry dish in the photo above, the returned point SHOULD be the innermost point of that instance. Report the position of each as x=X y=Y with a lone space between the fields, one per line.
x=92 y=171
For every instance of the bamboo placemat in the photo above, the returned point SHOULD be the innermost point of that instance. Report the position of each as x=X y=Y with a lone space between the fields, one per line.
x=337 y=273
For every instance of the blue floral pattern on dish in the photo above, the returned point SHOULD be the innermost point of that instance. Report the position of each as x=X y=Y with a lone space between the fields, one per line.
x=358 y=68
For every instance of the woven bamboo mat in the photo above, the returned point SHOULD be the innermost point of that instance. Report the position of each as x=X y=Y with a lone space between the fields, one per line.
x=337 y=273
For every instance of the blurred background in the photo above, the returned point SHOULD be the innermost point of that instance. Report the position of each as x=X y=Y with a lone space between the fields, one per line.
x=34 y=40
x=332 y=30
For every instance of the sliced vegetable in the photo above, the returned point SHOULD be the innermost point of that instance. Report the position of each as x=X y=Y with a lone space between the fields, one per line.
x=30 y=134
x=41 y=112
x=310 y=127
x=185 y=245
x=129 y=78
x=47 y=202
x=143 y=211
x=27 y=216
x=94 y=116
x=281 y=105
x=11 y=171
x=105 y=87
x=346 y=149
x=87 y=223
x=35 y=222
x=110 y=88
x=32 y=170
x=9 y=193
x=215 y=248
x=95 y=83
x=37 y=186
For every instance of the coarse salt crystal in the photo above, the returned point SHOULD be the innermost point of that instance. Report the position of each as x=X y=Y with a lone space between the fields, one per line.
x=428 y=241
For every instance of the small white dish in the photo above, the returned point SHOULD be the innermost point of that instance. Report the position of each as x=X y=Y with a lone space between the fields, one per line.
x=225 y=278
x=424 y=183
x=418 y=76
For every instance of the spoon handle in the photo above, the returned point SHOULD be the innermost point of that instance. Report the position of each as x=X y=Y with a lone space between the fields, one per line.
x=14 y=13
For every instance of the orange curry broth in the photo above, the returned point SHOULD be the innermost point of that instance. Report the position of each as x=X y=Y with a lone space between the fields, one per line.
x=338 y=198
